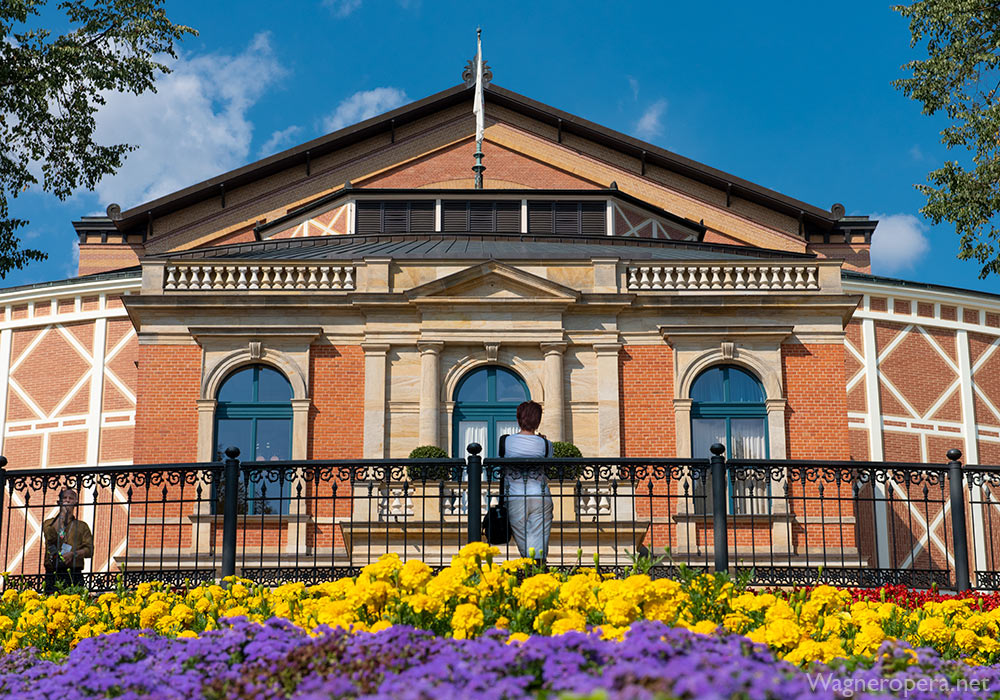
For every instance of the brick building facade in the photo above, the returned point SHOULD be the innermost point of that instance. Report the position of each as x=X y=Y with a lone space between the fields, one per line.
x=606 y=274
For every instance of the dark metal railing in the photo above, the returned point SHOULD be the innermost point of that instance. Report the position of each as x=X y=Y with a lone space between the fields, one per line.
x=779 y=522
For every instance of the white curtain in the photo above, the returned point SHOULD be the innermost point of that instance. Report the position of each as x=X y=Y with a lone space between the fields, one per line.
x=470 y=431
x=748 y=442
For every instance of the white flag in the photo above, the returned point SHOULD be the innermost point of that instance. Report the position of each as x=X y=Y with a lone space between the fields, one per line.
x=477 y=103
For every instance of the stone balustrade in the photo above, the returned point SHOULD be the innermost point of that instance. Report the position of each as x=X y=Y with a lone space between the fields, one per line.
x=221 y=277
x=728 y=277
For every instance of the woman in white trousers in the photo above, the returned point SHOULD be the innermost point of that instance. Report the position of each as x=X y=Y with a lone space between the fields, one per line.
x=529 y=501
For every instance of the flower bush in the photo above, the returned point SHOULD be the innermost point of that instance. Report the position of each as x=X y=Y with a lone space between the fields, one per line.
x=279 y=660
x=478 y=595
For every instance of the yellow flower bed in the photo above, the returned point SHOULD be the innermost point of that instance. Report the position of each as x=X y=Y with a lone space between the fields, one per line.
x=476 y=593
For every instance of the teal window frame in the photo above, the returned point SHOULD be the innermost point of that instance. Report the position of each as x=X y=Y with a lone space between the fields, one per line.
x=728 y=410
x=489 y=411
x=254 y=411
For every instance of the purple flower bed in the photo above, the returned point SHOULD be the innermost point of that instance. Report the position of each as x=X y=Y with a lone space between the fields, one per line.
x=279 y=660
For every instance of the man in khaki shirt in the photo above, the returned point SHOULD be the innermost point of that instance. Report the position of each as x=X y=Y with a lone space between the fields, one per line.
x=68 y=541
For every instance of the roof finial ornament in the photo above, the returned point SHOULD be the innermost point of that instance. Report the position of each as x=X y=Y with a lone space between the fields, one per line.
x=469 y=72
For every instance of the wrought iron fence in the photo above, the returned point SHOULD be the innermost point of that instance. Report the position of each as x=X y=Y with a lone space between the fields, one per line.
x=781 y=522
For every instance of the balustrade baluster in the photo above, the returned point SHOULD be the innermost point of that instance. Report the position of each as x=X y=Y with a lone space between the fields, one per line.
x=716 y=282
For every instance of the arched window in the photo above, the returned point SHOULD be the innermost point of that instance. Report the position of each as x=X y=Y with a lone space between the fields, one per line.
x=486 y=401
x=727 y=406
x=254 y=413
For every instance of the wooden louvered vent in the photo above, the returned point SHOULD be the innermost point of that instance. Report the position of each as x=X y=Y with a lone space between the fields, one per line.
x=395 y=217
x=561 y=217
x=481 y=216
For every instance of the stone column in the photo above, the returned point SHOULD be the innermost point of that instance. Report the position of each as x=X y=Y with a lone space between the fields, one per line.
x=554 y=416
x=608 y=418
x=429 y=428
x=373 y=443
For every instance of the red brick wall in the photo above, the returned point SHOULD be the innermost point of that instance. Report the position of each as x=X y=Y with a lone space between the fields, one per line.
x=646 y=385
x=816 y=414
x=502 y=165
x=98 y=257
x=336 y=427
x=336 y=419
x=166 y=417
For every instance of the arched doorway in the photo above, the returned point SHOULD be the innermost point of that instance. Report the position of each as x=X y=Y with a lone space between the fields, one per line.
x=486 y=401
x=254 y=413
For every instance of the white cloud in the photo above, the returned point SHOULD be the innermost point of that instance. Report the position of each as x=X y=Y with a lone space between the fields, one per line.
x=278 y=140
x=916 y=153
x=650 y=124
x=364 y=105
x=634 y=86
x=342 y=8
x=72 y=267
x=194 y=127
x=898 y=244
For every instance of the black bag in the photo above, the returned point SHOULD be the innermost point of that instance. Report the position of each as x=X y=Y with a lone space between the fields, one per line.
x=496 y=522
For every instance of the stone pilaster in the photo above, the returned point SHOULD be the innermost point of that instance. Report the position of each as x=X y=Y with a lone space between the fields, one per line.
x=608 y=417
x=373 y=443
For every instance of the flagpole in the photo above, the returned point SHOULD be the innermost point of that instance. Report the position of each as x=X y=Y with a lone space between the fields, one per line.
x=478 y=108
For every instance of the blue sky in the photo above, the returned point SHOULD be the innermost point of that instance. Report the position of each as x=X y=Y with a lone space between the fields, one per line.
x=790 y=95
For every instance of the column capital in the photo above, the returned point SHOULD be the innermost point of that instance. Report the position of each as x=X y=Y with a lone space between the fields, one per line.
x=554 y=348
x=683 y=404
x=432 y=347
x=301 y=404
x=607 y=348
x=375 y=348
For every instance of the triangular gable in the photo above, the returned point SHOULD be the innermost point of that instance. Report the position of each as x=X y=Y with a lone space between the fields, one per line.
x=426 y=145
x=331 y=222
x=492 y=282
x=634 y=222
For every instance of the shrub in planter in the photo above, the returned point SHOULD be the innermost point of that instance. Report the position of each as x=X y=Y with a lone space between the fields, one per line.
x=431 y=472
x=565 y=472
x=428 y=452
x=565 y=449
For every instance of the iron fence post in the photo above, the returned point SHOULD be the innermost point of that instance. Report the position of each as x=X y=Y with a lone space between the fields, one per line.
x=3 y=492
x=719 y=510
x=956 y=482
x=475 y=512
x=231 y=484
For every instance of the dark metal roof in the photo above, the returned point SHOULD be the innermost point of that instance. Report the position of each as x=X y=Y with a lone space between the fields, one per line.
x=476 y=246
x=388 y=122
x=896 y=282
x=134 y=272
